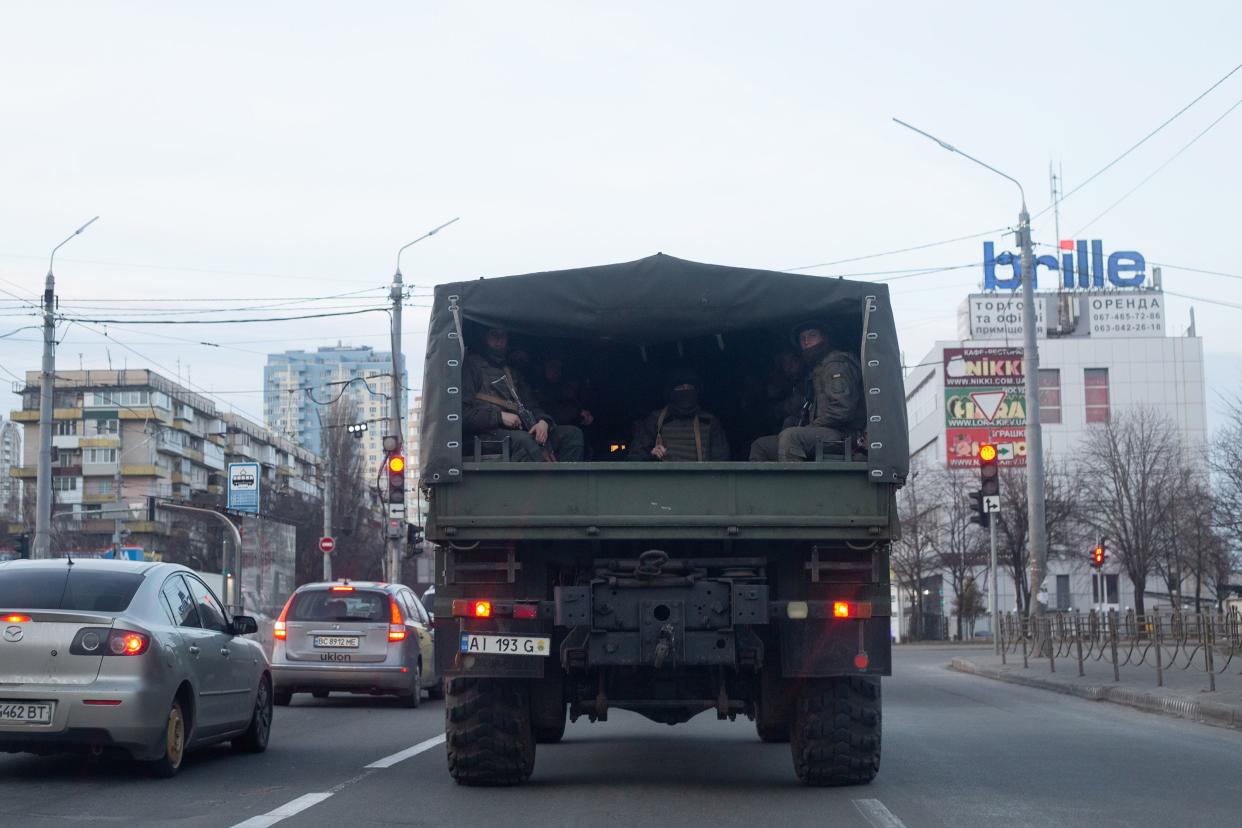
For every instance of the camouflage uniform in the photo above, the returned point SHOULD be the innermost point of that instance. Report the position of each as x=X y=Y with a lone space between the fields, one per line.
x=838 y=410
x=483 y=375
x=678 y=435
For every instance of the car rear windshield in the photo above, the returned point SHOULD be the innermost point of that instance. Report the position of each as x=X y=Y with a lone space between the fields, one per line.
x=86 y=590
x=329 y=605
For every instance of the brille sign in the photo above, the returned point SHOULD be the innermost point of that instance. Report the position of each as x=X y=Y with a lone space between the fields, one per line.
x=1081 y=264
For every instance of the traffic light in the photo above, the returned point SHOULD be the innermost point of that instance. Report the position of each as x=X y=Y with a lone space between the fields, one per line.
x=1098 y=554
x=396 y=478
x=989 y=474
x=22 y=545
x=979 y=517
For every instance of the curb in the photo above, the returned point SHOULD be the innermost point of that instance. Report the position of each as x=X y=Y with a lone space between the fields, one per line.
x=1204 y=712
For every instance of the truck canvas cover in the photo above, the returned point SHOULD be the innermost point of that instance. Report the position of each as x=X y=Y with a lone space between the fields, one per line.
x=652 y=301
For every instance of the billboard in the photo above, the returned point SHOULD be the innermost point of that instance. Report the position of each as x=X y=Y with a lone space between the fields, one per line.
x=984 y=401
x=999 y=315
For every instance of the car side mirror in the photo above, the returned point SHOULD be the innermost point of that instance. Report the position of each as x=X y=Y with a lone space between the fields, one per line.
x=244 y=625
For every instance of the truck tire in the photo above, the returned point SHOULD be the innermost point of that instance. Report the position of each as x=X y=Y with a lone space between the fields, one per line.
x=550 y=734
x=836 y=731
x=774 y=708
x=489 y=734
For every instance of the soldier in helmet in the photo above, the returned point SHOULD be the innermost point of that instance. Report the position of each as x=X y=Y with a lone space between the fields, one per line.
x=490 y=412
x=833 y=409
x=680 y=431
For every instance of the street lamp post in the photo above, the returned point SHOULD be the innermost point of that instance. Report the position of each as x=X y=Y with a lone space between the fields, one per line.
x=47 y=396
x=1030 y=370
x=395 y=540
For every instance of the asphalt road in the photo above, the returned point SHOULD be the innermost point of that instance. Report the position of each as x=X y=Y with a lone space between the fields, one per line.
x=958 y=751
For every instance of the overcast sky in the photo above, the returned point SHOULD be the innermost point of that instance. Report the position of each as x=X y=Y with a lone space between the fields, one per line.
x=241 y=151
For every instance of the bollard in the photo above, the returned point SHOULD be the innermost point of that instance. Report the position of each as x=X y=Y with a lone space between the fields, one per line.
x=1159 y=654
x=1208 y=662
x=1052 y=650
x=1025 y=631
x=1078 y=643
x=1001 y=638
x=1112 y=635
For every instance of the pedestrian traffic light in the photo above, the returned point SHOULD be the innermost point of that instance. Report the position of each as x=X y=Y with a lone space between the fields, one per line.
x=979 y=516
x=396 y=478
x=989 y=479
x=1098 y=554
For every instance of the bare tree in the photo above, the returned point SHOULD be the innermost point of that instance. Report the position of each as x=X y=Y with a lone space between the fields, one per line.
x=1063 y=524
x=1227 y=474
x=968 y=605
x=913 y=556
x=356 y=521
x=1131 y=466
x=961 y=547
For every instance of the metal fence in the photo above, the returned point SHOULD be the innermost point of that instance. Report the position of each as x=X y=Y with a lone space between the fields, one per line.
x=1164 y=641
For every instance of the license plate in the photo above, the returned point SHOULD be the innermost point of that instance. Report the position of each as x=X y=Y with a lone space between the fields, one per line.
x=337 y=641
x=517 y=645
x=25 y=712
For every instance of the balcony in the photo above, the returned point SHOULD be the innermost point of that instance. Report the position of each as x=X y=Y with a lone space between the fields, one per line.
x=143 y=471
x=96 y=497
x=95 y=442
x=99 y=469
x=27 y=415
x=24 y=472
x=66 y=441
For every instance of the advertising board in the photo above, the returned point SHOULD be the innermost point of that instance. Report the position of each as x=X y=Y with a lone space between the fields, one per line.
x=984 y=401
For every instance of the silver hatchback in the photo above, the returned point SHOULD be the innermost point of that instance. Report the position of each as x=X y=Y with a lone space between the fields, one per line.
x=360 y=637
x=136 y=657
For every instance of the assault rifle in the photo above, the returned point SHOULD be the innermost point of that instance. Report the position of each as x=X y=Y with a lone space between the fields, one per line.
x=525 y=415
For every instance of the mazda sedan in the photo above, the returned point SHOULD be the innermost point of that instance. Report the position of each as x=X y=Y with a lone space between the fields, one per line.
x=139 y=658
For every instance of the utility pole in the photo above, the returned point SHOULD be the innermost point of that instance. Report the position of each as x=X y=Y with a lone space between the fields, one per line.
x=325 y=468
x=396 y=539
x=47 y=396
x=1030 y=370
x=994 y=598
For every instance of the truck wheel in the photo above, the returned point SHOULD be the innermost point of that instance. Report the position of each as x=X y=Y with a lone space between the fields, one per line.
x=489 y=733
x=836 y=731
x=774 y=707
x=550 y=734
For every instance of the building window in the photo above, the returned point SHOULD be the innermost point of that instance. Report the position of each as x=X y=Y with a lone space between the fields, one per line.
x=1050 y=395
x=102 y=426
x=1063 y=588
x=64 y=458
x=66 y=428
x=1095 y=382
x=1111 y=585
x=103 y=486
x=99 y=455
x=65 y=484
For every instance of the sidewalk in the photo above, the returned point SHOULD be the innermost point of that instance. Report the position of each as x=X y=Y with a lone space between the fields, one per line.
x=1184 y=692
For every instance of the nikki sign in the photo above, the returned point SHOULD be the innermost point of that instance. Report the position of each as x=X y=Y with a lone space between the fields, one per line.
x=1082 y=265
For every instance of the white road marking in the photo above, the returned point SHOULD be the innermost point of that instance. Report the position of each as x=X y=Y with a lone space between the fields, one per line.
x=285 y=811
x=876 y=814
x=402 y=755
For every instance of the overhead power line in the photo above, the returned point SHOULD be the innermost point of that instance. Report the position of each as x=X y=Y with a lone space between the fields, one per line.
x=897 y=250
x=1143 y=140
x=1154 y=172
x=1198 y=270
x=222 y=321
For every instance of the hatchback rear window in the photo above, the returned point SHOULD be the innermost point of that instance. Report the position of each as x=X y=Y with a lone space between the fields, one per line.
x=83 y=590
x=326 y=605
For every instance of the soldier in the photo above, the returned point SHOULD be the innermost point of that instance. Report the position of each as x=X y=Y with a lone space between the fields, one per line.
x=562 y=395
x=680 y=431
x=490 y=412
x=835 y=410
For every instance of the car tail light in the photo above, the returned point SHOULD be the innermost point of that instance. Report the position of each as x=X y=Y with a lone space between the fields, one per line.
x=16 y=619
x=396 y=629
x=102 y=702
x=101 y=641
x=341 y=589
x=280 y=631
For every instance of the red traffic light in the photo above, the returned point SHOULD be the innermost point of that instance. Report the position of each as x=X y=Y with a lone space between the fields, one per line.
x=1097 y=556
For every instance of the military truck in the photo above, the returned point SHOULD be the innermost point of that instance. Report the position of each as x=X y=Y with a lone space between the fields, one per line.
x=568 y=589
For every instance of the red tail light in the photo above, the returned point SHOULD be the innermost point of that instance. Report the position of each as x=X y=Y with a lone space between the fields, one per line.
x=396 y=629
x=341 y=589
x=840 y=609
x=16 y=619
x=280 y=632
x=125 y=643
x=843 y=610
x=482 y=609
x=525 y=610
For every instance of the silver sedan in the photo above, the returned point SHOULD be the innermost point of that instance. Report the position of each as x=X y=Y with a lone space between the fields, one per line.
x=133 y=657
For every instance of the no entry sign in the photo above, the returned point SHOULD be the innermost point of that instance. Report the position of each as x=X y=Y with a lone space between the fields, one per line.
x=327 y=544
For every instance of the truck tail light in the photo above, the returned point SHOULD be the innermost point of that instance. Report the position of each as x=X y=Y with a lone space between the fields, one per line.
x=525 y=610
x=842 y=610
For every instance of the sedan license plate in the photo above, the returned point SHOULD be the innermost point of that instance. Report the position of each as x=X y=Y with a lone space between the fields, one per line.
x=336 y=641
x=12 y=712
x=515 y=645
